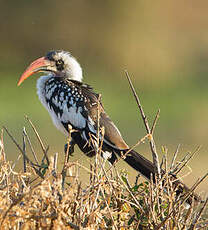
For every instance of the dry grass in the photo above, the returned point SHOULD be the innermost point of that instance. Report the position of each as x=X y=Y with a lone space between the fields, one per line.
x=41 y=197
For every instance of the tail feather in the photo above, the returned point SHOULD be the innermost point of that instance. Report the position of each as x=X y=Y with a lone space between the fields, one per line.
x=147 y=169
x=140 y=164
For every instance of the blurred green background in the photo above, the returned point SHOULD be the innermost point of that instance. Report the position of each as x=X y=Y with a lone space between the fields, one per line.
x=163 y=45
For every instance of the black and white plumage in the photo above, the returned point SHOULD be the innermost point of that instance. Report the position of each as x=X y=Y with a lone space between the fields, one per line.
x=72 y=103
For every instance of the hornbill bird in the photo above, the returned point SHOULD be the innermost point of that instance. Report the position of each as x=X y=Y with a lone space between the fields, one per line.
x=74 y=104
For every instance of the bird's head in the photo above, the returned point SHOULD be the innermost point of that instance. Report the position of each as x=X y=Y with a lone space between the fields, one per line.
x=58 y=63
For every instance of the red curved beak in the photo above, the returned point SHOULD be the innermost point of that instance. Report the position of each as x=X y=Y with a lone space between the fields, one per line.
x=38 y=65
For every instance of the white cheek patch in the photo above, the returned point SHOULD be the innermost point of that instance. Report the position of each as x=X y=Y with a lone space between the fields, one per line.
x=73 y=68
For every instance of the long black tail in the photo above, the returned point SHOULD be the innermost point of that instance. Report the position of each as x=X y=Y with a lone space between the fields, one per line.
x=139 y=163
x=146 y=168
x=135 y=160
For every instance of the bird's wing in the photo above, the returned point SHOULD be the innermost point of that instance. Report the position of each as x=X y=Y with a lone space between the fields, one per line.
x=94 y=106
x=75 y=104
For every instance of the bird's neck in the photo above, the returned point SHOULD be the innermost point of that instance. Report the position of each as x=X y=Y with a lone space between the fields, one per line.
x=41 y=85
x=74 y=70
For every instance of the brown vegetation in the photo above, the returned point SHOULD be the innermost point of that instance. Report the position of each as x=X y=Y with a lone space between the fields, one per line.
x=41 y=197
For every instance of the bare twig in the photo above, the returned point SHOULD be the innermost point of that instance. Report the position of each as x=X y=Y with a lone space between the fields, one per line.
x=174 y=158
x=39 y=139
x=15 y=142
x=109 y=210
x=24 y=150
x=133 y=197
x=31 y=163
x=31 y=147
x=130 y=149
x=54 y=167
x=162 y=161
x=186 y=160
x=66 y=159
x=199 y=181
x=152 y=143
x=2 y=152
x=155 y=121
x=195 y=221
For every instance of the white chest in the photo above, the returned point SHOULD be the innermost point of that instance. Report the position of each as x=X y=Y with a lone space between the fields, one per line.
x=61 y=101
x=42 y=97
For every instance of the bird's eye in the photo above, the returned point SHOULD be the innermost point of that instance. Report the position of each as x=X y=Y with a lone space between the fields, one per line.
x=59 y=64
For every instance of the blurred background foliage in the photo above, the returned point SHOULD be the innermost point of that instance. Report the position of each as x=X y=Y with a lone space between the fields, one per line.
x=163 y=45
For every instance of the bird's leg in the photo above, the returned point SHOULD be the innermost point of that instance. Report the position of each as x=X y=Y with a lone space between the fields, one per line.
x=69 y=147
